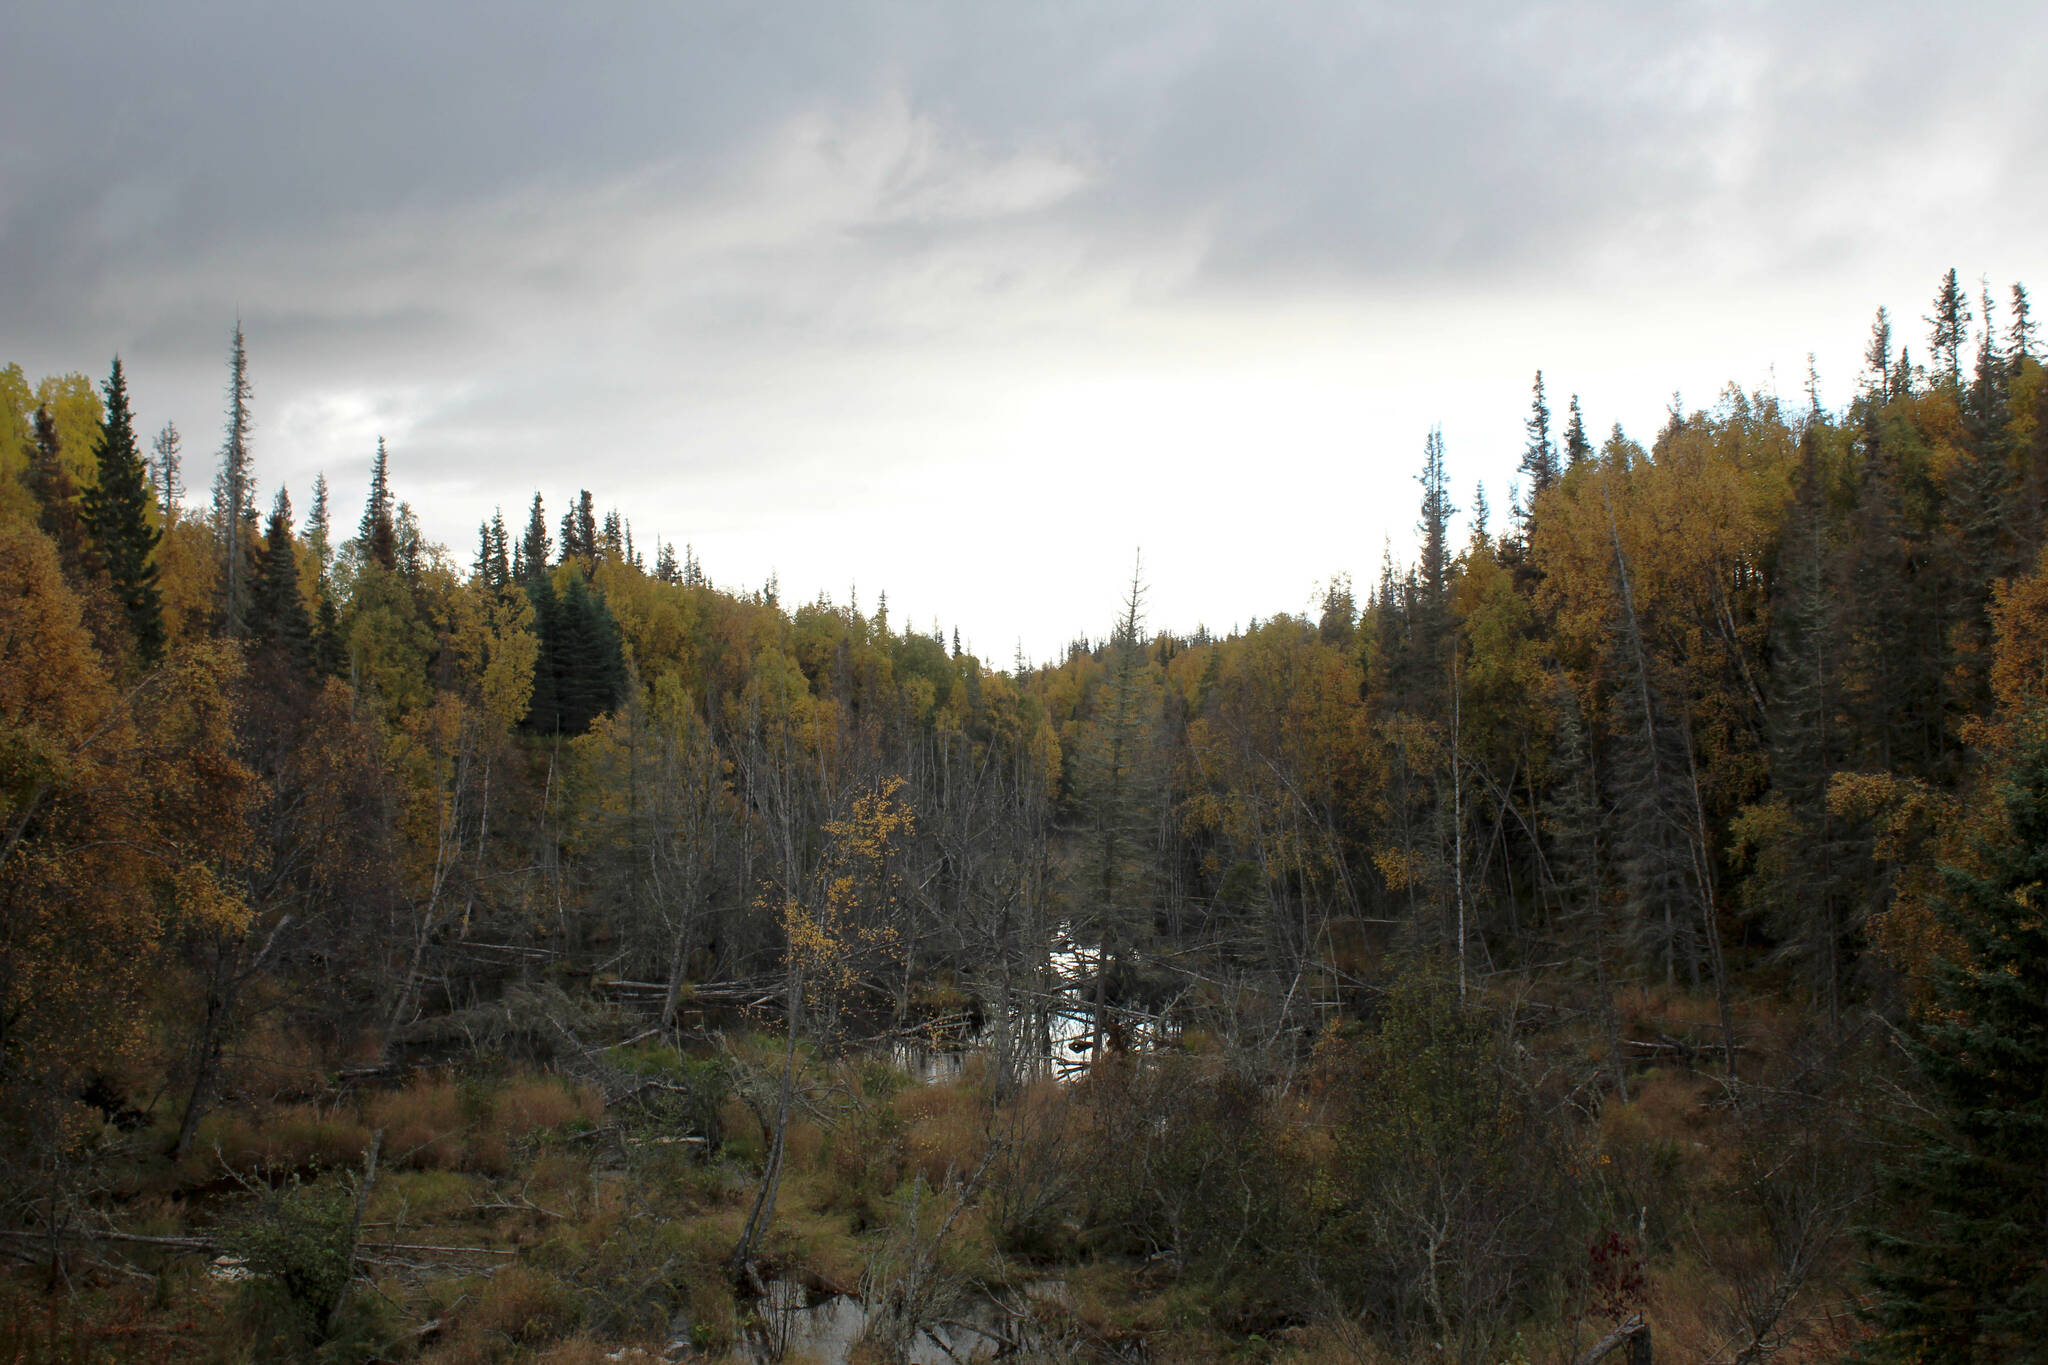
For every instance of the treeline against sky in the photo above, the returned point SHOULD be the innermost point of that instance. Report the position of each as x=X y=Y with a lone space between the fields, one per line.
x=1703 y=711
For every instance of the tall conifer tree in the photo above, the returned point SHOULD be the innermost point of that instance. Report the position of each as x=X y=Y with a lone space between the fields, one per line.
x=234 y=496
x=319 y=531
x=1539 y=457
x=1957 y=1249
x=1431 y=617
x=535 y=550
x=165 y=473
x=2022 y=339
x=1577 y=448
x=1877 y=356
x=57 y=510
x=378 y=534
x=1949 y=326
x=116 y=510
x=277 y=610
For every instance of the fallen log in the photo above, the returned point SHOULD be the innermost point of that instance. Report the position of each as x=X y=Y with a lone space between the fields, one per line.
x=199 y=1245
x=1633 y=1333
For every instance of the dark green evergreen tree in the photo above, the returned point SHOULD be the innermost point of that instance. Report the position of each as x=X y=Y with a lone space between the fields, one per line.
x=1424 y=665
x=1950 y=324
x=579 y=531
x=1877 y=357
x=536 y=551
x=589 y=663
x=1806 y=908
x=1956 y=1253
x=1539 y=457
x=493 y=554
x=1577 y=448
x=116 y=513
x=1335 y=624
x=329 y=651
x=378 y=534
x=1978 y=545
x=57 y=510
x=277 y=611
x=1984 y=409
x=319 y=531
x=581 y=670
x=586 y=526
x=1118 y=786
x=2022 y=338
x=165 y=474
x=234 y=496
x=543 y=709
x=410 y=542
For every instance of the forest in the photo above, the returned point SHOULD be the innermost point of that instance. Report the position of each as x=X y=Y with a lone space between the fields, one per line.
x=1615 y=936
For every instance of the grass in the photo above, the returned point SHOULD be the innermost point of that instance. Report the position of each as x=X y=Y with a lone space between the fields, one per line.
x=620 y=1231
x=425 y=1125
x=300 y=1139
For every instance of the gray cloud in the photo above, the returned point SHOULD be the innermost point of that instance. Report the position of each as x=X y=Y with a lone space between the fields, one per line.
x=732 y=246
x=1321 y=142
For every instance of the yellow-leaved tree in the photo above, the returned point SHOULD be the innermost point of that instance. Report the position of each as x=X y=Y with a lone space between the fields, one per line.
x=834 y=934
x=123 y=816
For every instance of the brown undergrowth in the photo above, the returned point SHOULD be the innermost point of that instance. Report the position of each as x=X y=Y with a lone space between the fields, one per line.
x=1182 y=1206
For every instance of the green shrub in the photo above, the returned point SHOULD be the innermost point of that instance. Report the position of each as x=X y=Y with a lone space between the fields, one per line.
x=298 y=1251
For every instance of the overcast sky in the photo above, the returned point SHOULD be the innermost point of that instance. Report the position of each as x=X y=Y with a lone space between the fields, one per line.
x=968 y=301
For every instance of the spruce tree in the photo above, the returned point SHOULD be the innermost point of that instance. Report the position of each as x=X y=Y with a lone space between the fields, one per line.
x=1577 y=449
x=328 y=650
x=319 y=535
x=581 y=670
x=410 y=542
x=165 y=474
x=579 y=531
x=1877 y=356
x=1956 y=1252
x=234 y=496
x=543 y=708
x=1984 y=408
x=1982 y=516
x=1118 y=780
x=116 y=512
x=586 y=525
x=2022 y=339
x=1435 y=523
x=589 y=663
x=57 y=510
x=277 y=611
x=1539 y=457
x=535 y=551
x=377 y=536
x=493 y=566
x=1804 y=902
x=1424 y=665
x=1950 y=324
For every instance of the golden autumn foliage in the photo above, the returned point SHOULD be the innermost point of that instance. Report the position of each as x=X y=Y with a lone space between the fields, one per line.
x=1391 y=920
x=848 y=927
x=124 y=816
x=2019 y=666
